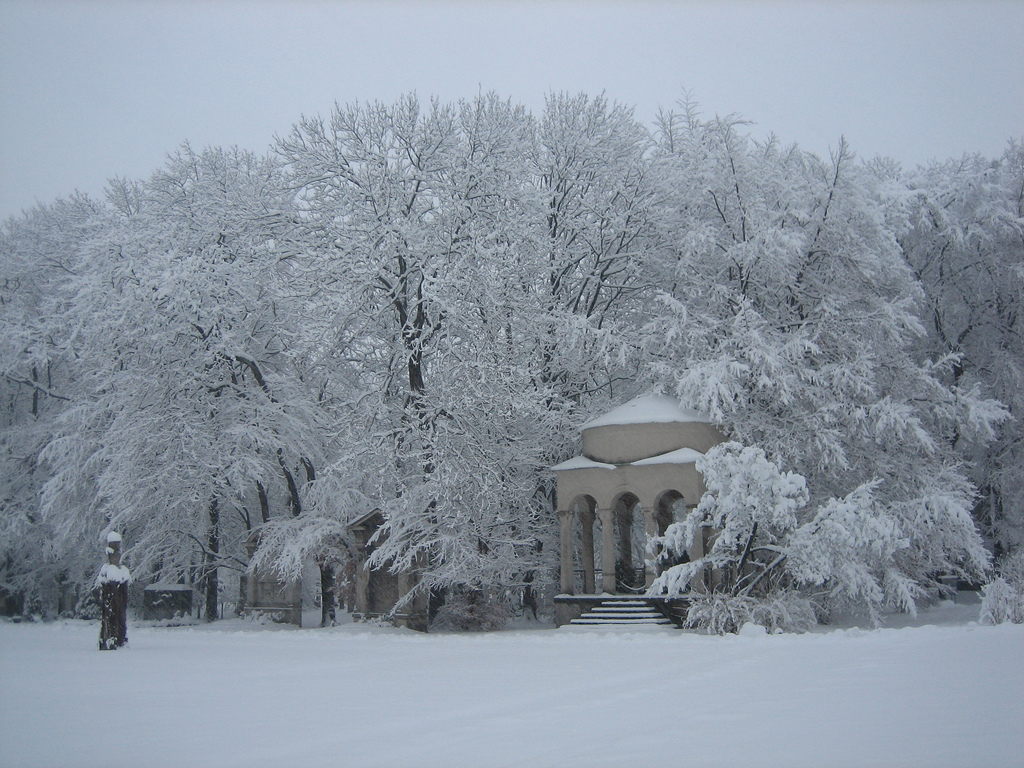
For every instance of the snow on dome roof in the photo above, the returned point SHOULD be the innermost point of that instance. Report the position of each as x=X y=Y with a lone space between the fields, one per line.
x=680 y=456
x=581 y=462
x=648 y=409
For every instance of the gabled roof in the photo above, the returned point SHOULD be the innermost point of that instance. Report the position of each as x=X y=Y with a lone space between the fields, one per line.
x=367 y=520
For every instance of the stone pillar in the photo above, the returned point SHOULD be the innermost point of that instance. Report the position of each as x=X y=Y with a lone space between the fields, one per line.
x=651 y=529
x=587 y=525
x=607 y=550
x=565 y=533
x=624 y=517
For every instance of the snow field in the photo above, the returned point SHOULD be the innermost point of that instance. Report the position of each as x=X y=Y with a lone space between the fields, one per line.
x=237 y=695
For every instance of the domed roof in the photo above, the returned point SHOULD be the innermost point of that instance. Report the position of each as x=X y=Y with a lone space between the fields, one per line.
x=648 y=409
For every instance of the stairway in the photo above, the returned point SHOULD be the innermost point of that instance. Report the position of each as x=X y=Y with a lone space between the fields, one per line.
x=625 y=612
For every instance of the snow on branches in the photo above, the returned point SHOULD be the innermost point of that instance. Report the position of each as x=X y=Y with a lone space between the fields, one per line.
x=413 y=306
x=768 y=547
x=751 y=511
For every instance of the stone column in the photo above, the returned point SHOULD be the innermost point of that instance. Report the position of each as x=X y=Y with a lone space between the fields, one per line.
x=651 y=529
x=607 y=550
x=587 y=525
x=565 y=534
x=624 y=517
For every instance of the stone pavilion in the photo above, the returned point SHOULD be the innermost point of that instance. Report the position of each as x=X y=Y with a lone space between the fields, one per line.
x=636 y=476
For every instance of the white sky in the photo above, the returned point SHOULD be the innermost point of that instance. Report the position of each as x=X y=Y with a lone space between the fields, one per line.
x=90 y=90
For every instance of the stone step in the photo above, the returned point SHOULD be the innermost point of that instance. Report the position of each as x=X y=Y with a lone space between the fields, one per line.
x=619 y=611
x=634 y=612
x=623 y=608
x=607 y=622
x=622 y=613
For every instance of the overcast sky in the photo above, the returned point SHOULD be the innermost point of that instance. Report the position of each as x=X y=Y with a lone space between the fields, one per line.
x=90 y=90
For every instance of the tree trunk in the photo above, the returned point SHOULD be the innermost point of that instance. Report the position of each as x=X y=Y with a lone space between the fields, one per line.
x=213 y=550
x=294 y=501
x=327 y=598
x=264 y=502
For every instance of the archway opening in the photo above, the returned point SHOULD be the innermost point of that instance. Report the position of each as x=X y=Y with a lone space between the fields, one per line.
x=630 y=542
x=670 y=508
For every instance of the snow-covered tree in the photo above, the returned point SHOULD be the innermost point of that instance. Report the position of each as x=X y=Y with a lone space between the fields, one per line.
x=748 y=516
x=189 y=406
x=595 y=187
x=965 y=243
x=413 y=306
x=788 y=313
x=419 y=218
x=37 y=380
x=774 y=561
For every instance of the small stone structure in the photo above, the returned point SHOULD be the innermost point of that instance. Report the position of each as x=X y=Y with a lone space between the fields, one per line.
x=262 y=591
x=165 y=602
x=636 y=476
x=377 y=590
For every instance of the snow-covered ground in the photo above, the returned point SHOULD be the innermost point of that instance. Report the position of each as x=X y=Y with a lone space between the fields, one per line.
x=945 y=692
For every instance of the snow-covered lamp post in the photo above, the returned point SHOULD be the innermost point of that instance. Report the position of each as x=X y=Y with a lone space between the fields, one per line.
x=113 y=583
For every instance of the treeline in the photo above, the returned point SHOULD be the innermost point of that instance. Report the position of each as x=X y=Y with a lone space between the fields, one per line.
x=414 y=306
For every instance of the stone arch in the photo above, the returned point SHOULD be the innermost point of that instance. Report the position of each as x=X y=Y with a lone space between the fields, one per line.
x=667 y=509
x=671 y=507
x=630 y=542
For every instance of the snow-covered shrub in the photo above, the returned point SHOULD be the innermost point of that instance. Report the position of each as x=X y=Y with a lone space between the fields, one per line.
x=1003 y=597
x=263 y=618
x=1002 y=602
x=846 y=547
x=472 y=610
x=789 y=611
x=88 y=605
x=37 y=604
x=718 y=613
